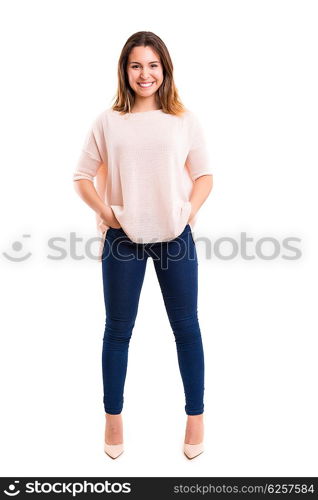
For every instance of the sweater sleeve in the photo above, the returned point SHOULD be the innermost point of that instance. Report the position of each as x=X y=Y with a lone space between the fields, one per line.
x=197 y=161
x=91 y=156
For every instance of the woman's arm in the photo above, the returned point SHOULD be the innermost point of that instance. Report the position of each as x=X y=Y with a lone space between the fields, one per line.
x=86 y=190
x=91 y=164
x=101 y=181
x=202 y=187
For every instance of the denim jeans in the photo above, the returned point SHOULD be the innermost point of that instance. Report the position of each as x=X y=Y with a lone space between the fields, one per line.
x=123 y=270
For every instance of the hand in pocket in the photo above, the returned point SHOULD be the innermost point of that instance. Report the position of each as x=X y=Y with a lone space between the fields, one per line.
x=114 y=223
x=107 y=220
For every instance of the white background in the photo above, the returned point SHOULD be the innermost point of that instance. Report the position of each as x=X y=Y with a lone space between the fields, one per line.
x=249 y=70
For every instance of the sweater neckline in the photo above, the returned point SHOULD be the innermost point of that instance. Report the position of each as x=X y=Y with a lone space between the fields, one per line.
x=143 y=112
x=139 y=113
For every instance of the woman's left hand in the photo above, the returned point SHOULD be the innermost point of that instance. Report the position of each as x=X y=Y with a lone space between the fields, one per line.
x=102 y=227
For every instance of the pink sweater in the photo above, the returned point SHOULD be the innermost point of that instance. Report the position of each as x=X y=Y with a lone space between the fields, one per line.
x=152 y=159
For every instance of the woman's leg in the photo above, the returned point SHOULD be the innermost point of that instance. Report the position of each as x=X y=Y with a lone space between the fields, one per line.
x=123 y=269
x=177 y=272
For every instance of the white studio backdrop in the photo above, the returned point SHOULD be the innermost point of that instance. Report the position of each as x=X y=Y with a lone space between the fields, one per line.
x=248 y=69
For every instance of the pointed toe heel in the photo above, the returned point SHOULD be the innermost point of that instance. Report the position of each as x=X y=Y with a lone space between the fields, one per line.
x=113 y=450
x=193 y=450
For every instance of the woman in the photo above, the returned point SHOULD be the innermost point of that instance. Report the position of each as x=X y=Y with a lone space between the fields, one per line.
x=148 y=155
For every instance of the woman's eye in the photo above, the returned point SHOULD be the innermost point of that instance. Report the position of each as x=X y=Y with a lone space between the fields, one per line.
x=153 y=66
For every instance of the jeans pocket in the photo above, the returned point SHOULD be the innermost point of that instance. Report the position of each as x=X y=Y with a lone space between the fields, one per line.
x=116 y=233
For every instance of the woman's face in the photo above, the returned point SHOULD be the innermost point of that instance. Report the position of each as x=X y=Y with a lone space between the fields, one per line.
x=144 y=65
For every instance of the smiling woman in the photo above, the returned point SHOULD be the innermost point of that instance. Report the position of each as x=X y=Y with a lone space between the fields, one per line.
x=149 y=157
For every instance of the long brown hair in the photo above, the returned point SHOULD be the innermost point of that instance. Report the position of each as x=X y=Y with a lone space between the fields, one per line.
x=167 y=94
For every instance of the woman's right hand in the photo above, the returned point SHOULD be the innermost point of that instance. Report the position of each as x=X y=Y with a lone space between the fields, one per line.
x=108 y=218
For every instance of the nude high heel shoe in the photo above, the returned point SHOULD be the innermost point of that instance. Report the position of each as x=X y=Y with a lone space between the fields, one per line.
x=113 y=450
x=193 y=450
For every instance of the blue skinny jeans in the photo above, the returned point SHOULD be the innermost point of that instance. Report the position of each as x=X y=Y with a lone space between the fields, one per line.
x=123 y=270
